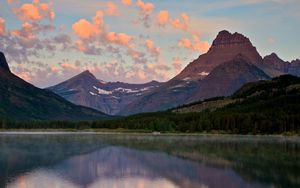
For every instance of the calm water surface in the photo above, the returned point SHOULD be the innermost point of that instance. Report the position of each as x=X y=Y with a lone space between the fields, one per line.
x=142 y=161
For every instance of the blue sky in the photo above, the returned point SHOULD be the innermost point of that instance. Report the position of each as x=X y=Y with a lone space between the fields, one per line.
x=48 y=41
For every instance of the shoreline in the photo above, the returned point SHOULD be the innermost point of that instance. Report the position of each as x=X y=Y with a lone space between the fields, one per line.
x=135 y=132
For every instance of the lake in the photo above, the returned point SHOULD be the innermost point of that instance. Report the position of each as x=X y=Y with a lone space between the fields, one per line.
x=86 y=160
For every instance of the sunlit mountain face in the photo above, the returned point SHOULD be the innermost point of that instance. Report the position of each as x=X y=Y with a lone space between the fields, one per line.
x=135 y=41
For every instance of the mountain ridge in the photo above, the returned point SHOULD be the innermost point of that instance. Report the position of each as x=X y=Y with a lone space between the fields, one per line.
x=231 y=61
x=20 y=100
x=108 y=97
x=221 y=82
x=224 y=48
x=275 y=66
x=3 y=62
x=180 y=89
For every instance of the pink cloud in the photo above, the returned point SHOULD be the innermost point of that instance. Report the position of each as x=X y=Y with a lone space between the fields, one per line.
x=54 y=69
x=119 y=38
x=127 y=2
x=26 y=41
x=34 y=11
x=146 y=8
x=98 y=19
x=87 y=48
x=27 y=35
x=25 y=76
x=270 y=40
x=145 y=11
x=162 y=18
x=69 y=66
x=87 y=30
x=151 y=48
x=2 y=26
x=181 y=23
x=22 y=72
x=158 y=67
x=141 y=75
x=84 y=29
x=10 y=1
x=195 y=44
x=177 y=64
x=27 y=31
x=93 y=37
x=157 y=71
x=112 y=9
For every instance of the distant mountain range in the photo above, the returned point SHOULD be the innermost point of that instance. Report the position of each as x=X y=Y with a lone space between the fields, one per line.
x=231 y=62
x=274 y=66
x=20 y=100
x=108 y=97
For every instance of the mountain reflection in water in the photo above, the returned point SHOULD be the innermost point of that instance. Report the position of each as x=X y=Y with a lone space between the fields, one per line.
x=94 y=162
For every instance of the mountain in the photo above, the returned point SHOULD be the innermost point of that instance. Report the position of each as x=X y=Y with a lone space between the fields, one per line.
x=230 y=62
x=225 y=47
x=20 y=100
x=261 y=107
x=294 y=67
x=228 y=77
x=275 y=66
x=280 y=94
x=205 y=77
x=108 y=97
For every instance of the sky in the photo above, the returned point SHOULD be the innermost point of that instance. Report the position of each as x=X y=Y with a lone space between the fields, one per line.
x=135 y=41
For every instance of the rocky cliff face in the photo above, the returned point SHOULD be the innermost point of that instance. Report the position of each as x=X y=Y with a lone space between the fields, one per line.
x=228 y=77
x=224 y=48
x=275 y=66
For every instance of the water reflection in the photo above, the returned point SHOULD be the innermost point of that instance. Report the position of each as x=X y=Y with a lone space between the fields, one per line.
x=123 y=167
x=47 y=180
x=87 y=161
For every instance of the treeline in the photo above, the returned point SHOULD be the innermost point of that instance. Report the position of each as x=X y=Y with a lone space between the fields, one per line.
x=220 y=122
x=267 y=107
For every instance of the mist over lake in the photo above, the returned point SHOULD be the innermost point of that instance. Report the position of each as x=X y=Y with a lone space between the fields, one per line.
x=131 y=160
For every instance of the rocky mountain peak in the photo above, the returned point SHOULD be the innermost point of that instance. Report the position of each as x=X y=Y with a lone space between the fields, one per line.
x=297 y=61
x=274 y=57
x=86 y=74
x=274 y=60
x=3 y=63
x=225 y=47
x=225 y=38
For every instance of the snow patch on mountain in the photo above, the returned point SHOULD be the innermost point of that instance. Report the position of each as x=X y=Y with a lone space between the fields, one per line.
x=177 y=86
x=204 y=73
x=102 y=91
x=187 y=78
x=94 y=94
x=121 y=90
